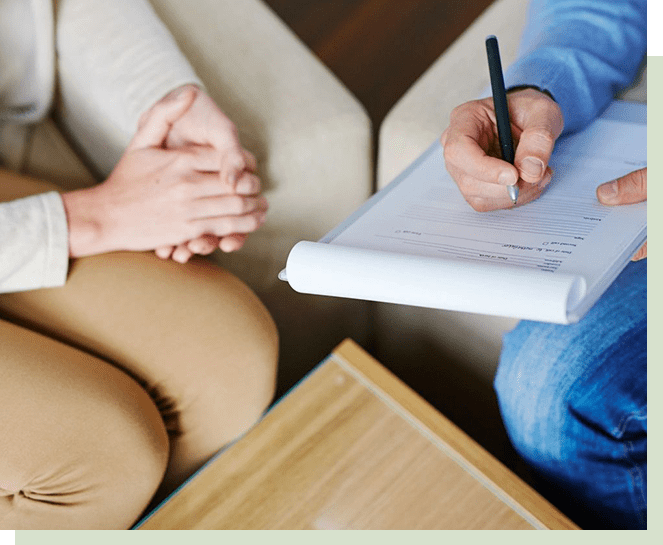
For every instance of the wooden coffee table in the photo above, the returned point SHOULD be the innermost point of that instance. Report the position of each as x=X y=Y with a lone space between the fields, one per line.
x=352 y=447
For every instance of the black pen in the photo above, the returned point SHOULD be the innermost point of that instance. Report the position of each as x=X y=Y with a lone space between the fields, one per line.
x=501 y=108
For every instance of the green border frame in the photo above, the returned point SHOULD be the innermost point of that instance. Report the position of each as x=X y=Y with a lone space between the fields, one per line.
x=655 y=143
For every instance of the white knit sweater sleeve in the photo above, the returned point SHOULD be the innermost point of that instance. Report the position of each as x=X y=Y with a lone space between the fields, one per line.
x=34 y=248
x=115 y=60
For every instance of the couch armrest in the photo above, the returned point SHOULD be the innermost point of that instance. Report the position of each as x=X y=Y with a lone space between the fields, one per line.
x=312 y=138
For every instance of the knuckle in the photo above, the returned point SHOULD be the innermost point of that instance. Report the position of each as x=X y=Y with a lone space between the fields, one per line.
x=481 y=203
x=467 y=185
x=477 y=203
x=462 y=109
x=195 y=230
x=551 y=107
x=641 y=179
x=237 y=204
x=542 y=137
x=183 y=159
x=180 y=191
x=144 y=118
x=254 y=184
x=228 y=126
x=224 y=227
x=452 y=151
x=457 y=111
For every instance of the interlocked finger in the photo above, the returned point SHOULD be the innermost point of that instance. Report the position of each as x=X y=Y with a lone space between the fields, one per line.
x=233 y=163
x=248 y=184
x=207 y=184
x=182 y=254
x=203 y=245
x=226 y=205
x=232 y=243
x=251 y=161
x=230 y=225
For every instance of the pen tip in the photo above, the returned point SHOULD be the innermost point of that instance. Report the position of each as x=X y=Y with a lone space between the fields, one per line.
x=513 y=193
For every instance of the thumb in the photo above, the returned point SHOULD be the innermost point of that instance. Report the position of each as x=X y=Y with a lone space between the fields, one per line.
x=533 y=152
x=156 y=122
x=641 y=253
x=628 y=189
x=542 y=124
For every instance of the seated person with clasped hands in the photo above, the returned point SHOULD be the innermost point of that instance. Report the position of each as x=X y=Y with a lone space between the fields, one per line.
x=573 y=398
x=122 y=371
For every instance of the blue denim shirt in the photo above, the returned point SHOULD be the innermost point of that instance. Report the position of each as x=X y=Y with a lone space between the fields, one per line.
x=581 y=51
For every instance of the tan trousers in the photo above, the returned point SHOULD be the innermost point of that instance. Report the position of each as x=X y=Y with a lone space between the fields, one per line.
x=121 y=383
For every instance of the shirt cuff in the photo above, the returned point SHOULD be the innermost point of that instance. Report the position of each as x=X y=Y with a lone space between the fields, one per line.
x=577 y=105
x=34 y=243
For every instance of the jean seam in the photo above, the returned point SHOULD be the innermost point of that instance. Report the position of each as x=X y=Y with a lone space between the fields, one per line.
x=639 y=499
x=618 y=431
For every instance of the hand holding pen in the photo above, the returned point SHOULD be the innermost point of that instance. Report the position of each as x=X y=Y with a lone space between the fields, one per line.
x=474 y=155
x=501 y=109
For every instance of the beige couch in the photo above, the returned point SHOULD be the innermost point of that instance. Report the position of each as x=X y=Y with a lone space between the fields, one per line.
x=453 y=355
x=311 y=137
x=313 y=143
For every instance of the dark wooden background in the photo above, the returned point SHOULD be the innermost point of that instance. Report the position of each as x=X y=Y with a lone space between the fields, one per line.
x=378 y=48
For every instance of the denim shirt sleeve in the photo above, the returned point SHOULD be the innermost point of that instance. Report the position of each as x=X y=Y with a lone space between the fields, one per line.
x=582 y=52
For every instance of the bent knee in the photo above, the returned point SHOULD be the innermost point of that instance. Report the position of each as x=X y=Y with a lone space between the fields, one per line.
x=253 y=352
x=254 y=360
x=531 y=385
x=99 y=470
x=222 y=382
x=254 y=367
x=246 y=379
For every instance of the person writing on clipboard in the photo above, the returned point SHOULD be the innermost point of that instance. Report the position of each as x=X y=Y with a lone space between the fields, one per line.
x=573 y=398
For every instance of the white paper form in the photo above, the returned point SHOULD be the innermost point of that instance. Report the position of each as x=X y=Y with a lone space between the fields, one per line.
x=548 y=253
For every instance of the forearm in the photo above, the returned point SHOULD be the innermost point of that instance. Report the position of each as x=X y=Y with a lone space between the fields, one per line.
x=115 y=60
x=583 y=52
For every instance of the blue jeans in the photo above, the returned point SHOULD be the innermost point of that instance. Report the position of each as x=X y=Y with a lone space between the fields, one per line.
x=574 y=402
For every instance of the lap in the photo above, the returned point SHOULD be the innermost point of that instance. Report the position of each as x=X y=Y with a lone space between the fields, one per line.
x=574 y=402
x=194 y=336
x=603 y=357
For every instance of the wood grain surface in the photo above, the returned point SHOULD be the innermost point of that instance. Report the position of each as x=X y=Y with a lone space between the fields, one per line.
x=352 y=447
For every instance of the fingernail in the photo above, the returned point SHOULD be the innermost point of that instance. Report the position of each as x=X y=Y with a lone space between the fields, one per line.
x=533 y=167
x=608 y=192
x=506 y=177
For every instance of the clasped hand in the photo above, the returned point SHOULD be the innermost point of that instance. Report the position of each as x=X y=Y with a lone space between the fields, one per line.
x=471 y=151
x=184 y=185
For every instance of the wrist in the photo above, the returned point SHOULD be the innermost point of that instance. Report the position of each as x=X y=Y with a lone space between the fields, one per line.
x=86 y=229
x=517 y=88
